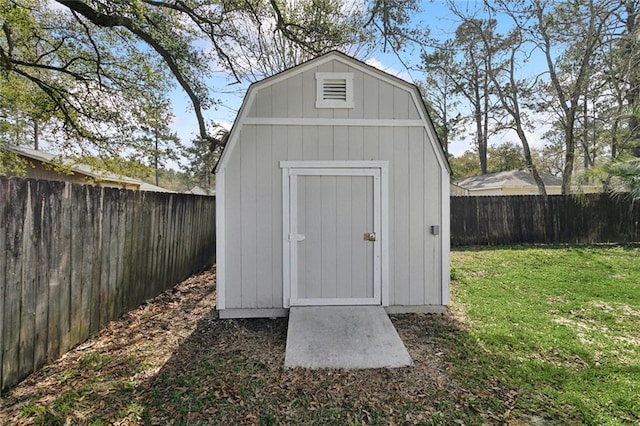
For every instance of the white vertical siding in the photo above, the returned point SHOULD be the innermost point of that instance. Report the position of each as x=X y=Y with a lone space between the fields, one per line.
x=358 y=88
x=416 y=222
x=233 y=232
x=386 y=101
x=253 y=190
x=355 y=141
x=386 y=149
x=400 y=203
x=278 y=152
x=340 y=142
x=294 y=93
x=309 y=109
x=294 y=141
x=371 y=99
x=371 y=143
x=249 y=216
x=343 y=232
x=325 y=143
x=265 y=229
x=433 y=211
x=329 y=241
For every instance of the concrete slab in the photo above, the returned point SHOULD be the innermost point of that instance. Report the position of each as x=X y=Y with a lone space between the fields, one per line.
x=350 y=337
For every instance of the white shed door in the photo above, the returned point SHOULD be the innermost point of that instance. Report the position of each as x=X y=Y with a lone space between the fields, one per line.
x=334 y=234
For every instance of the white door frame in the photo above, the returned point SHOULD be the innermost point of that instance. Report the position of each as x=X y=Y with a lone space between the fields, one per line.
x=376 y=169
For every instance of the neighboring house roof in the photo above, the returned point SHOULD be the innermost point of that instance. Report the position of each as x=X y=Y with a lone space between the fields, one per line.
x=198 y=190
x=455 y=189
x=97 y=175
x=512 y=178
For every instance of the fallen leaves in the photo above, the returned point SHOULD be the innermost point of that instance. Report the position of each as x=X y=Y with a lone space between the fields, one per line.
x=171 y=361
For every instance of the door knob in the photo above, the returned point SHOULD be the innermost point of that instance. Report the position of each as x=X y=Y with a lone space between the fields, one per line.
x=369 y=236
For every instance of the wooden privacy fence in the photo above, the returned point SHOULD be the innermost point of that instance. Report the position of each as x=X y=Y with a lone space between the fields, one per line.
x=534 y=219
x=73 y=257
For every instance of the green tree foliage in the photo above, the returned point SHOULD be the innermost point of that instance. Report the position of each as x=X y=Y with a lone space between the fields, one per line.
x=549 y=159
x=156 y=137
x=94 y=65
x=71 y=73
x=203 y=156
x=624 y=177
x=576 y=40
x=174 y=180
x=504 y=157
x=620 y=79
x=577 y=28
x=466 y=165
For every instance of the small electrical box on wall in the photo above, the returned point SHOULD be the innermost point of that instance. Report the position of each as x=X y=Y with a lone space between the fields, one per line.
x=435 y=229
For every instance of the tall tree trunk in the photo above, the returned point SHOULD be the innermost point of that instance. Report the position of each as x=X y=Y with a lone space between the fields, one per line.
x=445 y=133
x=515 y=113
x=485 y=116
x=36 y=135
x=588 y=159
x=529 y=160
x=633 y=101
x=481 y=139
x=632 y=95
x=569 y=157
x=614 y=135
x=156 y=158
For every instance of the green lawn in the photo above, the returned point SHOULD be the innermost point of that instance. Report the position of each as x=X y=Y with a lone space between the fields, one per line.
x=560 y=325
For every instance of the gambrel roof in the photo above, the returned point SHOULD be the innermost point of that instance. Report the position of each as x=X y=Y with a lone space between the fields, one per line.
x=351 y=62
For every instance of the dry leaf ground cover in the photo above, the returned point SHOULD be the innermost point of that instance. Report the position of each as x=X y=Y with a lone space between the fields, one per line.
x=171 y=361
x=546 y=336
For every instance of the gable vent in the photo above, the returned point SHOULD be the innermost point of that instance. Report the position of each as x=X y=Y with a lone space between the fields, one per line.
x=334 y=90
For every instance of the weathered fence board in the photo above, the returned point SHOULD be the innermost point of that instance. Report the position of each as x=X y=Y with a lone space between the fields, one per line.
x=74 y=257
x=13 y=288
x=4 y=197
x=532 y=219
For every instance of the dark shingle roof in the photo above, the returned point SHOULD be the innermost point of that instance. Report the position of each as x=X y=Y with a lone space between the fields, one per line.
x=512 y=178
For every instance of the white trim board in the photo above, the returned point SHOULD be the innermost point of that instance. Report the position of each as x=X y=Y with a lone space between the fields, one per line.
x=337 y=302
x=445 y=238
x=253 y=313
x=359 y=122
x=220 y=240
x=334 y=164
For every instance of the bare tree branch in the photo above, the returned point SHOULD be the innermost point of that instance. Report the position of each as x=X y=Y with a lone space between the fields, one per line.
x=111 y=21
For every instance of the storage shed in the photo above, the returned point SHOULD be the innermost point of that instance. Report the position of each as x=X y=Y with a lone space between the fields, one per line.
x=333 y=189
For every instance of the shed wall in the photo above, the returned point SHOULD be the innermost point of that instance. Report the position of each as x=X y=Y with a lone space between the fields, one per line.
x=254 y=189
x=253 y=184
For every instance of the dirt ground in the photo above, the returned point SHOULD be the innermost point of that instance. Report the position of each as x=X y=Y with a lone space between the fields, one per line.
x=172 y=361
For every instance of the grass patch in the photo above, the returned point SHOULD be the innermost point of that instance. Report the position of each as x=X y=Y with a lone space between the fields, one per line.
x=561 y=325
